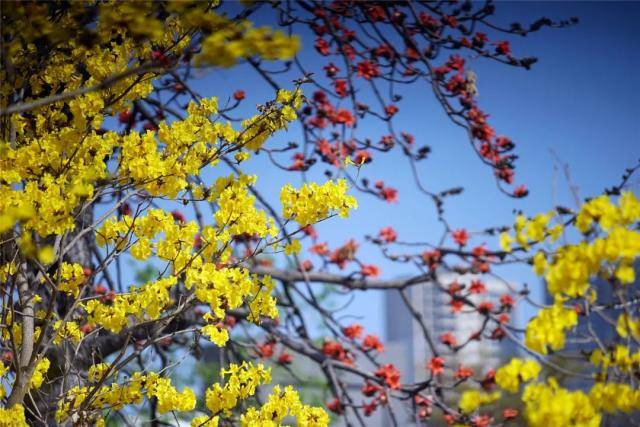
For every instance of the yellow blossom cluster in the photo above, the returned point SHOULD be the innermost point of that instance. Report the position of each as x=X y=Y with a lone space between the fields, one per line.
x=145 y=302
x=549 y=327
x=313 y=202
x=241 y=382
x=230 y=41
x=282 y=403
x=517 y=371
x=470 y=400
x=13 y=417
x=548 y=404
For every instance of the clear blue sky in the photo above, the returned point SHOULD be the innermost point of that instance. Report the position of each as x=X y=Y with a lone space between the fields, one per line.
x=580 y=100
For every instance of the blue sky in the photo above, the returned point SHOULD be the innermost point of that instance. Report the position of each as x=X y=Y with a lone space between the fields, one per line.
x=578 y=104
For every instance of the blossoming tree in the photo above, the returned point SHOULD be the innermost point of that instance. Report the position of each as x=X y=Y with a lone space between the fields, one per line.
x=107 y=151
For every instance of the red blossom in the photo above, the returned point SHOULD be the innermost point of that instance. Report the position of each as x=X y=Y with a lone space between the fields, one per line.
x=520 y=191
x=388 y=234
x=178 y=216
x=448 y=339
x=285 y=358
x=369 y=408
x=463 y=372
x=390 y=110
x=340 y=86
x=321 y=249
x=460 y=236
x=370 y=270
x=361 y=157
x=239 y=95
x=353 y=331
x=310 y=231
x=377 y=13
x=306 y=265
x=507 y=301
x=369 y=389
x=456 y=305
x=322 y=46
x=503 y=48
x=485 y=307
x=372 y=342
x=509 y=413
x=335 y=406
x=343 y=116
x=482 y=420
x=436 y=365
x=368 y=69
x=125 y=117
x=477 y=287
x=331 y=69
x=266 y=349
x=389 y=194
x=390 y=374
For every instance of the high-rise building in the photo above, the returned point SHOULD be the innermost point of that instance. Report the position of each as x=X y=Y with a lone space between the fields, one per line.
x=407 y=340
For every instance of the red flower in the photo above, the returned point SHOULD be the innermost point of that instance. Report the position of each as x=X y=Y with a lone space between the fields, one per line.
x=455 y=62
x=388 y=234
x=456 y=305
x=369 y=408
x=503 y=48
x=197 y=241
x=178 y=216
x=509 y=413
x=390 y=374
x=436 y=365
x=335 y=350
x=448 y=339
x=389 y=194
x=310 y=231
x=125 y=117
x=454 y=288
x=387 y=141
x=460 y=236
x=150 y=126
x=372 y=342
x=322 y=46
x=320 y=249
x=368 y=69
x=335 y=406
x=489 y=380
x=521 y=191
x=306 y=265
x=370 y=270
x=331 y=69
x=377 y=13
x=431 y=258
x=353 y=331
x=482 y=420
x=361 y=157
x=344 y=116
x=238 y=95
x=463 y=372
x=507 y=301
x=477 y=287
x=266 y=350
x=369 y=389
x=485 y=307
x=340 y=86
x=285 y=358
x=390 y=110
x=503 y=318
